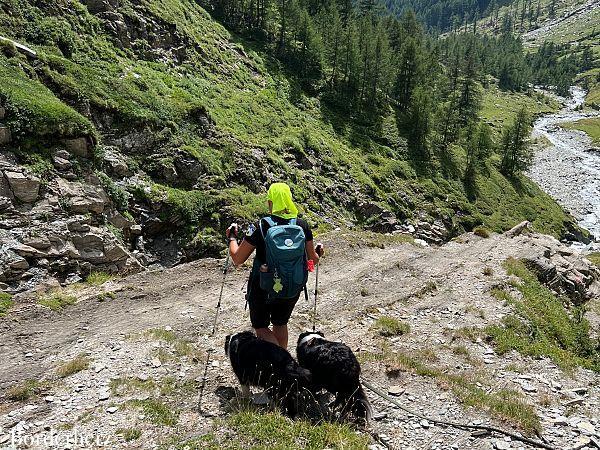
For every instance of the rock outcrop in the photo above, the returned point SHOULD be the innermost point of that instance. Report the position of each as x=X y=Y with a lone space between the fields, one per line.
x=563 y=269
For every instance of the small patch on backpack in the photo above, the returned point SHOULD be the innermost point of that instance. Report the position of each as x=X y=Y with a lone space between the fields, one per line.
x=277 y=286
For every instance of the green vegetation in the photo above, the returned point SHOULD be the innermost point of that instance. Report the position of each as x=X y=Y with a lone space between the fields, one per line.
x=106 y=295
x=122 y=386
x=282 y=103
x=157 y=412
x=500 y=107
x=481 y=231
x=98 y=278
x=6 y=302
x=161 y=334
x=254 y=429
x=470 y=389
x=57 y=300
x=34 y=108
x=594 y=258
x=129 y=434
x=178 y=347
x=389 y=326
x=589 y=126
x=25 y=390
x=544 y=325
x=77 y=364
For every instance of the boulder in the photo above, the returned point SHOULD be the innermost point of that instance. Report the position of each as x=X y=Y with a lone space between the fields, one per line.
x=118 y=220
x=83 y=198
x=5 y=136
x=24 y=187
x=78 y=147
x=563 y=270
x=61 y=163
x=116 y=164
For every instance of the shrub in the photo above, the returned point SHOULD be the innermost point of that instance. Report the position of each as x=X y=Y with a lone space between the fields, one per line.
x=98 y=278
x=77 y=364
x=481 y=231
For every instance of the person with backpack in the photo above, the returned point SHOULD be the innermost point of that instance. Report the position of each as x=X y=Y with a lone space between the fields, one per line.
x=284 y=246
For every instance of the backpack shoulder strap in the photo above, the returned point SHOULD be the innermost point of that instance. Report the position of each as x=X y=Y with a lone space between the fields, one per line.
x=269 y=221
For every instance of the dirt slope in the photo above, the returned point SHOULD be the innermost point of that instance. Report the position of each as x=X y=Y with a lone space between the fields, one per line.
x=436 y=290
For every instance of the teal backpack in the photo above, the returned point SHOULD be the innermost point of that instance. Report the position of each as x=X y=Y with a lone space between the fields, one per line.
x=287 y=272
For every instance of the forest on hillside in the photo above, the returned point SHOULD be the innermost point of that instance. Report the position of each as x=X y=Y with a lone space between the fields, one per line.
x=363 y=62
x=445 y=15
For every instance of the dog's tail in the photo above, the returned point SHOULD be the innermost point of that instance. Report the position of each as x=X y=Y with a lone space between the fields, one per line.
x=360 y=405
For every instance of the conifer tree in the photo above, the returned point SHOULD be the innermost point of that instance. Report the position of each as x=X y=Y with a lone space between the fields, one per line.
x=516 y=154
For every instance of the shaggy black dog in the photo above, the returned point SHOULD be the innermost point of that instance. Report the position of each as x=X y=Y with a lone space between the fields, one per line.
x=335 y=368
x=256 y=362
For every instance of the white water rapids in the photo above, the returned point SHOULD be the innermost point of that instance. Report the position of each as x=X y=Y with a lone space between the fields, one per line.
x=569 y=169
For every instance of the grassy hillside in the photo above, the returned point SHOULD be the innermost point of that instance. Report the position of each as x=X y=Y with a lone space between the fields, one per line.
x=185 y=85
x=590 y=126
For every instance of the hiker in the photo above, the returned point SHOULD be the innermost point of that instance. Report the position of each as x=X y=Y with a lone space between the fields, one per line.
x=274 y=302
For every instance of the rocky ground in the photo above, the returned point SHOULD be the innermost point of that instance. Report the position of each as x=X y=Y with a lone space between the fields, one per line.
x=143 y=341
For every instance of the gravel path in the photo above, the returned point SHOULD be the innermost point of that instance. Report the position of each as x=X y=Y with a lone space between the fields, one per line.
x=438 y=291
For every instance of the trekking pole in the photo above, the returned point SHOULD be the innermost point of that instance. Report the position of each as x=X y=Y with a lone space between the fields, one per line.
x=214 y=330
x=316 y=293
x=225 y=268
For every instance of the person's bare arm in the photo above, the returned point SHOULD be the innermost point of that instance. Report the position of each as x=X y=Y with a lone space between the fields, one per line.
x=239 y=252
x=313 y=252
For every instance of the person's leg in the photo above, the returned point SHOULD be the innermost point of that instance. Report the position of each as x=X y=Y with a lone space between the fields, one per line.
x=266 y=335
x=280 y=332
x=280 y=315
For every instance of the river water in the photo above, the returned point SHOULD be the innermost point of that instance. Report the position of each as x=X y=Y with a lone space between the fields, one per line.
x=569 y=168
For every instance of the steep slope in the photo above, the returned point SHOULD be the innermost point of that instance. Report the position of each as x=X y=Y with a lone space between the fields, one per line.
x=145 y=127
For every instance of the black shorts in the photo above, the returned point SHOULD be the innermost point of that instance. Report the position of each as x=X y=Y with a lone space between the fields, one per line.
x=263 y=312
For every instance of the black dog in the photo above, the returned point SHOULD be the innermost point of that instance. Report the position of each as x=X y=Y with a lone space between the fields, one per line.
x=335 y=368
x=256 y=362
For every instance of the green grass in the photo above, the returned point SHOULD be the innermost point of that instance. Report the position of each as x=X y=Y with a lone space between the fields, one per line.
x=389 y=326
x=34 y=108
x=594 y=258
x=257 y=430
x=500 y=107
x=157 y=412
x=98 y=278
x=481 y=231
x=544 y=325
x=123 y=386
x=129 y=434
x=160 y=334
x=589 y=126
x=6 y=302
x=25 y=390
x=469 y=389
x=77 y=364
x=57 y=300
